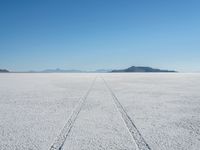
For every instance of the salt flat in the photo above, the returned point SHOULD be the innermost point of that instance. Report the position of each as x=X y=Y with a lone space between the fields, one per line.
x=165 y=108
x=99 y=125
x=34 y=107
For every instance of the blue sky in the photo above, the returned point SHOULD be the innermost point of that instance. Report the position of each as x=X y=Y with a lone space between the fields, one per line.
x=95 y=34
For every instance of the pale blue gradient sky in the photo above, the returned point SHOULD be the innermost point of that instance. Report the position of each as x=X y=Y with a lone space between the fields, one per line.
x=93 y=34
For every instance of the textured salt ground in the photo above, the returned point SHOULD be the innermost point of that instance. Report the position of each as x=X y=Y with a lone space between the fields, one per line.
x=60 y=139
x=164 y=107
x=99 y=124
x=135 y=133
x=34 y=107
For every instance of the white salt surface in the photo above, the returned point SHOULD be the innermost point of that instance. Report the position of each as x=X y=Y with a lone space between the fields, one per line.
x=34 y=107
x=99 y=125
x=165 y=108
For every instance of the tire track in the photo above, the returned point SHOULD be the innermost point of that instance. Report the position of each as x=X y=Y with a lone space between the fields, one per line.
x=139 y=140
x=60 y=140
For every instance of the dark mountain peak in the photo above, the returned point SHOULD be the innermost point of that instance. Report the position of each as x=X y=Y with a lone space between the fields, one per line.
x=3 y=71
x=141 y=69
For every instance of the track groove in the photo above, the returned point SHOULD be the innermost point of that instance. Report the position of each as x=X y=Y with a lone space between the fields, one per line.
x=139 y=140
x=60 y=140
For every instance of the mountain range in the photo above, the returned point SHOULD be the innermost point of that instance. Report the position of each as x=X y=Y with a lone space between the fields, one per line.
x=141 y=69
x=3 y=71
x=130 y=69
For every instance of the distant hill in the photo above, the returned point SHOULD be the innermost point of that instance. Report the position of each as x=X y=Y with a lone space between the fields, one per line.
x=56 y=71
x=3 y=71
x=141 y=69
x=130 y=69
x=70 y=71
x=102 y=70
x=59 y=71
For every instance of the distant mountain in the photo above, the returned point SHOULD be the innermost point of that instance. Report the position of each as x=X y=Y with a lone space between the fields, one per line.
x=3 y=71
x=56 y=71
x=102 y=70
x=141 y=69
x=59 y=71
x=130 y=69
x=70 y=71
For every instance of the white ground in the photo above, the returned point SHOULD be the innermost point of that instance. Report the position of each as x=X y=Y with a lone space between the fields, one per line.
x=34 y=108
x=164 y=107
x=99 y=125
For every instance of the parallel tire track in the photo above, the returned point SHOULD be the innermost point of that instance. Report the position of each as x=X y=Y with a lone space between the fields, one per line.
x=139 y=140
x=60 y=140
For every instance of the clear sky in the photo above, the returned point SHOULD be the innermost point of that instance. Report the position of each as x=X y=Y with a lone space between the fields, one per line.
x=96 y=34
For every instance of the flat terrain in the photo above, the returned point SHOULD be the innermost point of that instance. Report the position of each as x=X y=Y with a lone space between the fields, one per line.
x=100 y=111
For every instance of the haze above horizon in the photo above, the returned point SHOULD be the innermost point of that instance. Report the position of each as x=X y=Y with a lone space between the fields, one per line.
x=104 y=34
